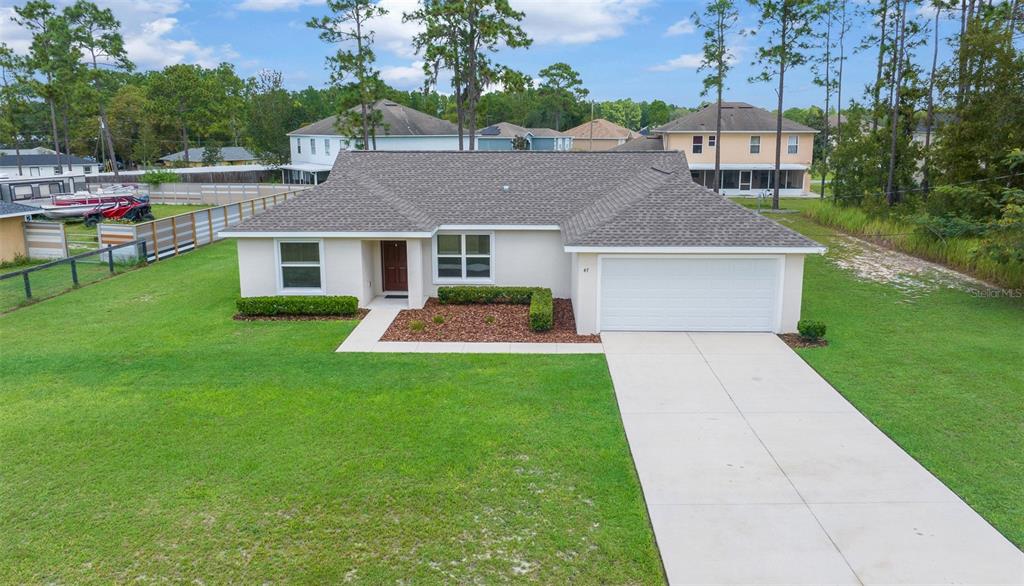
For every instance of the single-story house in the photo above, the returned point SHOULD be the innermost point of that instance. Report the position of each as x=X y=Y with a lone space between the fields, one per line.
x=229 y=155
x=12 y=230
x=599 y=135
x=44 y=165
x=499 y=137
x=628 y=237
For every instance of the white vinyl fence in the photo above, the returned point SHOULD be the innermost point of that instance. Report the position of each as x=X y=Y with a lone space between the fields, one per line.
x=208 y=194
x=45 y=240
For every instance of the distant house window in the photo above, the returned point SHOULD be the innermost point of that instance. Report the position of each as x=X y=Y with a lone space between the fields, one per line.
x=87 y=169
x=300 y=265
x=794 y=144
x=698 y=145
x=327 y=146
x=711 y=141
x=312 y=146
x=298 y=145
x=58 y=170
x=33 y=171
x=755 y=145
x=463 y=257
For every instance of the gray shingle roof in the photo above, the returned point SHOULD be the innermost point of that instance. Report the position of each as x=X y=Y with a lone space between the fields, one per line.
x=398 y=120
x=8 y=209
x=601 y=128
x=598 y=199
x=509 y=130
x=640 y=143
x=229 y=153
x=736 y=117
x=36 y=160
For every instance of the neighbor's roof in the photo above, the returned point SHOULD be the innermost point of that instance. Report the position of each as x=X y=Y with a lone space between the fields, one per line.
x=37 y=160
x=509 y=130
x=398 y=120
x=641 y=143
x=229 y=153
x=598 y=199
x=10 y=210
x=602 y=129
x=736 y=117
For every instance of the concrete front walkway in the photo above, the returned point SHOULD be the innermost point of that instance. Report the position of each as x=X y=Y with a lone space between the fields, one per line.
x=756 y=471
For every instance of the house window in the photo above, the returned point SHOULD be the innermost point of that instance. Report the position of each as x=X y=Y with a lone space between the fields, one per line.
x=463 y=257
x=698 y=145
x=327 y=146
x=300 y=266
x=312 y=146
x=86 y=170
x=58 y=170
x=794 y=144
x=712 y=143
x=298 y=145
x=755 y=145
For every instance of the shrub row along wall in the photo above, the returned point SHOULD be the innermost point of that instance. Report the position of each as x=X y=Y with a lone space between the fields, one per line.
x=960 y=253
x=540 y=299
x=297 y=305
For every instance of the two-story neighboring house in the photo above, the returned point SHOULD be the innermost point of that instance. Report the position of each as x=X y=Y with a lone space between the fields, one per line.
x=314 y=147
x=747 y=149
x=44 y=165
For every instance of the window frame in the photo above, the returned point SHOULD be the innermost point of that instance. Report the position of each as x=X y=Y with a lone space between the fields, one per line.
x=712 y=143
x=752 y=144
x=312 y=146
x=463 y=256
x=697 y=144
x=298 y=146
x=279 y=267
x=327 y=147
x=793 y=144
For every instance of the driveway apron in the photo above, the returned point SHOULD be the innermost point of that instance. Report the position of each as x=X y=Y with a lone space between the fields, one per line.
x=756 y=471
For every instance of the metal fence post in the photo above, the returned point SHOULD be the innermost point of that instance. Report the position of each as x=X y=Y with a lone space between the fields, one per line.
x=74 y=272
x=110 y=258
x=145 y=255
x=28 y=287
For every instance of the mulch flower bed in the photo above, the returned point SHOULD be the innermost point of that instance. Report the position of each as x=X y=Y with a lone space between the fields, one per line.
x=797 y=341
x=498 y=322
x=360 y=314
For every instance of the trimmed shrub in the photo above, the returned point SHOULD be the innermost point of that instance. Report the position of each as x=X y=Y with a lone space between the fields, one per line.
x=542 y=310
x=297 y=305
x=466 y=294
x=438 y=319
x=540 y=300
x=811 y=330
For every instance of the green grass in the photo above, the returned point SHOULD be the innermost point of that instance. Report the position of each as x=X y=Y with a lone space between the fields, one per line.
x=940 y=373
x=145 y=435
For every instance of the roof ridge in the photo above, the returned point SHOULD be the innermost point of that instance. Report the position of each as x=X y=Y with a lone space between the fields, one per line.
x=400 y=205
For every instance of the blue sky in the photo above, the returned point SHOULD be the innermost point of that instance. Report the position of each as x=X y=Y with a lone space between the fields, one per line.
x=640 y=49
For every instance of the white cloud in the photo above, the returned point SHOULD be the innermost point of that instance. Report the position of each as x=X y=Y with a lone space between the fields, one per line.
x=271 y=5
x=683 y=27
x=152 y=35
x=404 y=76
x=684 y=61
x=578 y=21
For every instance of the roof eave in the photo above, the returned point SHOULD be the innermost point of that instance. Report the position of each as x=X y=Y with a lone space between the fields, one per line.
x=695 y=249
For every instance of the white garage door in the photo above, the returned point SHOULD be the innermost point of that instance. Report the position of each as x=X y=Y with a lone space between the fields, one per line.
x=690 y=294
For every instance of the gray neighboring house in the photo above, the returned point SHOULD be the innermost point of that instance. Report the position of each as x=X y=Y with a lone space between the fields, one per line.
x=628 y=237
x=229 y=155
x=499 y=137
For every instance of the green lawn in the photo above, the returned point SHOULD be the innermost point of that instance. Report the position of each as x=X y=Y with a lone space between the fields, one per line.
x=145 y=435
x=941 y=373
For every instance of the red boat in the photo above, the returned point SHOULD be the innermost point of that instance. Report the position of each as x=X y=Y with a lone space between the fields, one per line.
x=126 y=207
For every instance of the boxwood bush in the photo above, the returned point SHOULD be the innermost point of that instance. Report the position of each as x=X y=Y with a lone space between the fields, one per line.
x=297 y=305
x=540 y=300
x=811 y=330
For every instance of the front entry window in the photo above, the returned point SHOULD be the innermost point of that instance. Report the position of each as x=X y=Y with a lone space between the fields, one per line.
x=300 y=265
x=463 y=257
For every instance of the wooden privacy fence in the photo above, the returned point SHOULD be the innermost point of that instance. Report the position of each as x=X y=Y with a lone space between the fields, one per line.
x=213 y=194
x=45 y=240
x=176 y=234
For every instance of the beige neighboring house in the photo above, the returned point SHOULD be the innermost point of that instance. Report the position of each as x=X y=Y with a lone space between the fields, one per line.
x=599 y=135
x=747 y=149
x=12 y=230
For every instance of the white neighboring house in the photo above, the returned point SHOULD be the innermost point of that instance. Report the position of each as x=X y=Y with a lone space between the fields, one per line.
x=314 y=147
x=628 y=237
x=44 y=165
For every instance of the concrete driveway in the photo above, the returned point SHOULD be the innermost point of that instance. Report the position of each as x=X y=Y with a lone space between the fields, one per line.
x=756 y=471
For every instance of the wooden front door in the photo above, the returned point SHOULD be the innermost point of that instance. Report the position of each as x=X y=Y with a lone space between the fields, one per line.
x=394 y=265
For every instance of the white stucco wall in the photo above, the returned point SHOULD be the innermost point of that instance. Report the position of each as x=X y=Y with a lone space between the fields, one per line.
x=792 y=291
x=256 y=272
x=529 y=258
